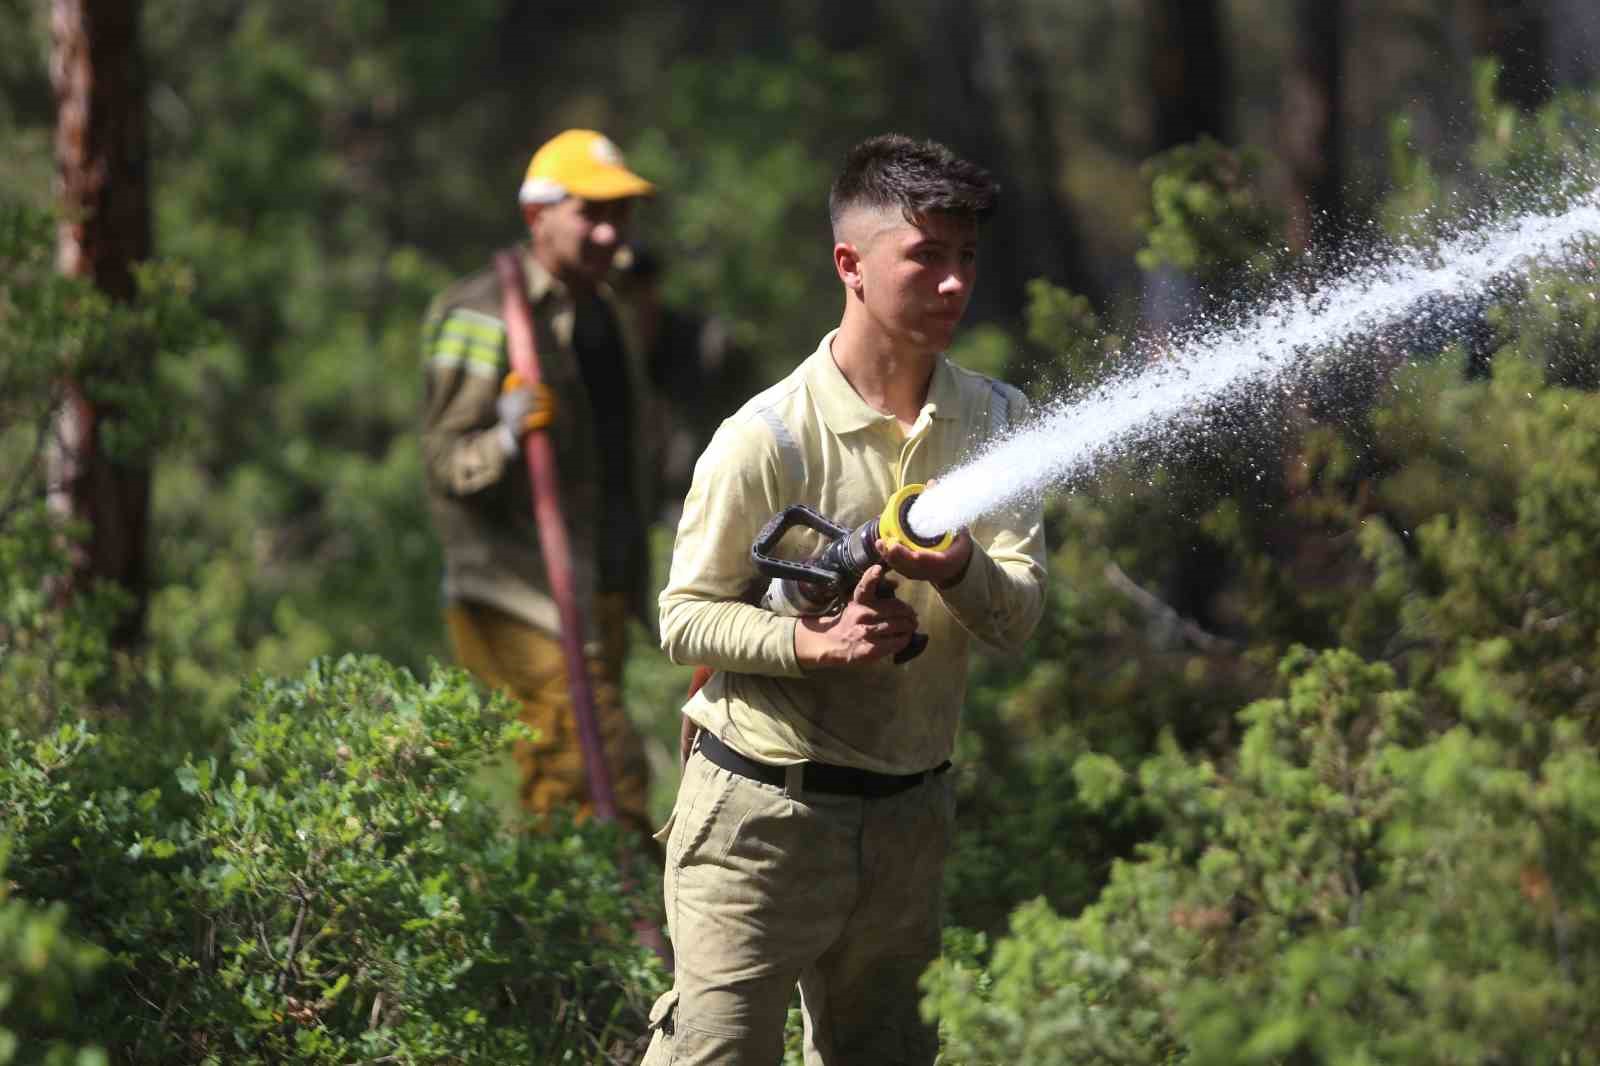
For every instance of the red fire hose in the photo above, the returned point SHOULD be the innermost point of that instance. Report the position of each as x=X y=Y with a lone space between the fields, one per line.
x=553 y=542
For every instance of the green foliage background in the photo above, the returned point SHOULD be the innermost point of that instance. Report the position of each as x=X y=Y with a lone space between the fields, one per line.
x=1387 y=855
x=1338 y=806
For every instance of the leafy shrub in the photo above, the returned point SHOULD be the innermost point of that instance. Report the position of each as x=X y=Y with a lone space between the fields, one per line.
x=1209 y=215
x=330 y=888
x=54 y=329
x=42 y=964
x=1355 y=888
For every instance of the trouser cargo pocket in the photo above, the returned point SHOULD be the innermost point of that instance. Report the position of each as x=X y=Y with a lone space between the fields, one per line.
x=661 y=835
x=663 y=1023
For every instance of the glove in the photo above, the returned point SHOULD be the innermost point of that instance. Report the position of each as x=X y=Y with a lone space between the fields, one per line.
x=522 y=408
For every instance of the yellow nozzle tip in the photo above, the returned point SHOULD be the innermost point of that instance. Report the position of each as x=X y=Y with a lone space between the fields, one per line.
x=892 y=525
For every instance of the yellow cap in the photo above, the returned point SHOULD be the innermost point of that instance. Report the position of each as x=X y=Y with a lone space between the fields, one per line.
x=580 y=163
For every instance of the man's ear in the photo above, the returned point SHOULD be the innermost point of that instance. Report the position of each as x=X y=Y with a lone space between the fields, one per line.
x=847 y=264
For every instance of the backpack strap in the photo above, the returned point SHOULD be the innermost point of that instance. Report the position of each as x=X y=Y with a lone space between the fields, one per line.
x=999 y=408
x=794 y=461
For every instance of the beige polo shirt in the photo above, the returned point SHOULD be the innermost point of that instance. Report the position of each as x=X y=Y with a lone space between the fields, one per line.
x=811 y=439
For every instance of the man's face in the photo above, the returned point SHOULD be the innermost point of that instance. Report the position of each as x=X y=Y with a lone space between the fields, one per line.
x=915 y=279
x=577 y=239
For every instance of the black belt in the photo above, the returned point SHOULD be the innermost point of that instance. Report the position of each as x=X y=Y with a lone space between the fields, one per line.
x=815 y=776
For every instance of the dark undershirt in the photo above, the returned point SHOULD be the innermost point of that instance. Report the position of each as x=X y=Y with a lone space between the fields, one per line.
x=597 y=342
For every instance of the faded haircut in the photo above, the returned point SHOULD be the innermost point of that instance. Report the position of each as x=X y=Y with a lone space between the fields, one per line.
x=917 y=177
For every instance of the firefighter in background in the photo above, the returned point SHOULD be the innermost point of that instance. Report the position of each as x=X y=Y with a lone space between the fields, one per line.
x=577 y=201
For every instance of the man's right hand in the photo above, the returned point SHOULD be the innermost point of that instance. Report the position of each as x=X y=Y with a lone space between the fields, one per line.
x=522 y=408
x=868 y=628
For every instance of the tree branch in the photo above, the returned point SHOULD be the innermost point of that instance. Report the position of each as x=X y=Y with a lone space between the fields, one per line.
x=294 y=945
x=1163 y=617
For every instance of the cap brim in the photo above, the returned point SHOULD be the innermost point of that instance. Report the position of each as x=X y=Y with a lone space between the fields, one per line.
x=611 y=184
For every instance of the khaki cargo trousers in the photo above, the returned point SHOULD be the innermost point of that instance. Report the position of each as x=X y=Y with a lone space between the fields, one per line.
x=508 y=654
x=767 y=887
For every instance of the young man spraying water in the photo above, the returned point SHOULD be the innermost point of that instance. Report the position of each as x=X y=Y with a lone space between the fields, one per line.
x=809 y=836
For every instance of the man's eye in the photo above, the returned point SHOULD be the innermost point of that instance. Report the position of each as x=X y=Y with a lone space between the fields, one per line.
x=968 y=257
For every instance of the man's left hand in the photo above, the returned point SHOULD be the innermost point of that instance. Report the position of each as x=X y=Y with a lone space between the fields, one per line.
x=944 y=568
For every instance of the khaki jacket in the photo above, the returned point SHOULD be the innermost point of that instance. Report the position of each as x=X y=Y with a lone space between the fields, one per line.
x=479 y=497
x=811 y=439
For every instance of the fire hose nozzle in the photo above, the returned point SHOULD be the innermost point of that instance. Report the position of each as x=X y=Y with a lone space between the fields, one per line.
x=895 y=522
x=818 y=584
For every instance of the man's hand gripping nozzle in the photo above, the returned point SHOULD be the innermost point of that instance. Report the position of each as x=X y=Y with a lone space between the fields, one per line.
x=824 y=582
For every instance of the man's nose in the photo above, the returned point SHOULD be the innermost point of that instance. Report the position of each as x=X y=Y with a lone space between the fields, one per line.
x=954 y=282
x=605 y=233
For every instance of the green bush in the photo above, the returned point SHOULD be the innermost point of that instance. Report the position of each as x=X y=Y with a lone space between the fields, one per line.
x=42 y=964
x=1357 y=887
x=55 y=329
x=331 y=888
x=1210 y=217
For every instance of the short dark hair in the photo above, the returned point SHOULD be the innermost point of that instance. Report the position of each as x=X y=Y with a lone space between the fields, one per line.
x=918 y=177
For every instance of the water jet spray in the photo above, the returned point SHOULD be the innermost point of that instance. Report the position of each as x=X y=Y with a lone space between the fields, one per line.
x=1290 y=333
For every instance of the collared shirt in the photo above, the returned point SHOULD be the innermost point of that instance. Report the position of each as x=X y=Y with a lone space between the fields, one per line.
x=811 y=439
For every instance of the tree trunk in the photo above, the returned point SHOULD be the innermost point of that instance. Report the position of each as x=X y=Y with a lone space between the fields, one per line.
x=849 y=25
x=981 y=77
x=1187 y=69
x=1572 y=34
x=1312 y=133
x=1188 y=72
x=962 y=114
x=1057 y=252
x=1514 y=32
x=97 y=72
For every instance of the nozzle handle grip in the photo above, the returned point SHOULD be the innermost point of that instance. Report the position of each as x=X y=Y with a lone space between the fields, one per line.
x=794 y=515
x=918 y=645
x=919 y=641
